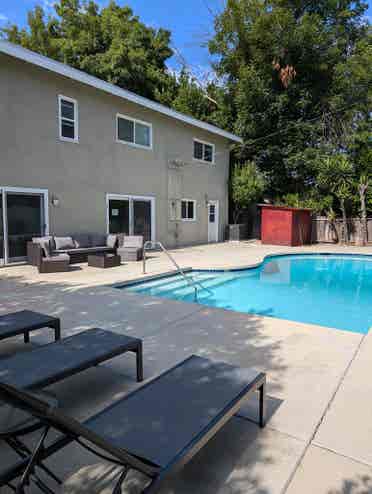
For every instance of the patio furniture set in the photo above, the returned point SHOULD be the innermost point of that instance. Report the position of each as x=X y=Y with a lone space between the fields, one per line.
x=189 y=402
x=52 y=254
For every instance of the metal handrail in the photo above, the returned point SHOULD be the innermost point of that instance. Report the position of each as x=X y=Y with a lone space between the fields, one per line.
x=189 y=279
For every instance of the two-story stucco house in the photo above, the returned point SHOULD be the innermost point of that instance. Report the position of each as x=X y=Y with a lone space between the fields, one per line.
x=79 y=155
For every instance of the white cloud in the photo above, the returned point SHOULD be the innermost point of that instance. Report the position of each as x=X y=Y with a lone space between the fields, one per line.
x=3 y=18
x=48 y=5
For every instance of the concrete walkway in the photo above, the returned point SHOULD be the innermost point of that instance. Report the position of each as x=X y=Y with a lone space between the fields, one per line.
x=318 y=438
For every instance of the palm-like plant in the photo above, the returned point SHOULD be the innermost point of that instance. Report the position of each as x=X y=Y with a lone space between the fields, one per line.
x=336 y=175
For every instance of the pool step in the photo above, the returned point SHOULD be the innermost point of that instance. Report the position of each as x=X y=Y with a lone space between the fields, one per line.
x=176 y=286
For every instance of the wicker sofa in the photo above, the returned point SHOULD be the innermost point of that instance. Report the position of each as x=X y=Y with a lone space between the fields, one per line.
x=77 y=247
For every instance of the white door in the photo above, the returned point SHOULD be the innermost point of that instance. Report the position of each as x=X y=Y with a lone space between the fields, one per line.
x=213 y=221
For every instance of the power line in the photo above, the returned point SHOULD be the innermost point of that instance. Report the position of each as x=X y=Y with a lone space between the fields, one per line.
x=298 y=124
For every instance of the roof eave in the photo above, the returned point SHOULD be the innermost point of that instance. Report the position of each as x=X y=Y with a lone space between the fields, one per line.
x=78 y=75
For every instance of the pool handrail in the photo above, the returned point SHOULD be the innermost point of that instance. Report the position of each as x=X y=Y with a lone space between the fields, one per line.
x=189 y=279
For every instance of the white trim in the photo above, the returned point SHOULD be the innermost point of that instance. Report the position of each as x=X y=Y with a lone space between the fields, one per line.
x=23 y=190
x=216 y=218
x=184 y=199
x=77 y=75
x=213 y=162
x=75 y=121
x=135 y=121
x=131 y=198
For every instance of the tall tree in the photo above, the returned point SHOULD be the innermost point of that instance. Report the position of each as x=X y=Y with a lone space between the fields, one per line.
x=110 y=43
x=283 y=63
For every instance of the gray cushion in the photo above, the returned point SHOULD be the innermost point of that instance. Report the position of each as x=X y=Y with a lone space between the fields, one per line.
x=129 y=249
x=120 y=237
x=133 y=241
x=87 y=250
x=44 y=243
x=58 y=258
x=64 y=243
x=98 y=240
x=82 y=240
x=111 y=241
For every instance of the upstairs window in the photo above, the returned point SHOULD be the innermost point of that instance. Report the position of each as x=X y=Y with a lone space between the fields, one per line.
x=134 y=132
x=203 y=151
x=68 y=119
x=188 y=210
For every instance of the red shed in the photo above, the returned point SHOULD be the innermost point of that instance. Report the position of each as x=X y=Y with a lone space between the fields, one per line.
x=281 y=225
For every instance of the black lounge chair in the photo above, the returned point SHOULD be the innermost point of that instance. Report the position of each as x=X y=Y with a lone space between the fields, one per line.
x=25 y=321
x=54 y=362
x=155 y=429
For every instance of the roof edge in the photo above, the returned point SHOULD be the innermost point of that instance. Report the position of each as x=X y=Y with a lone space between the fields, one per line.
x=34 y=58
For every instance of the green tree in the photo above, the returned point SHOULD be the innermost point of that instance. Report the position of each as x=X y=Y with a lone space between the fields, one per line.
x=285 y=63
x=336 y=175
x=110 y=43
x=247 y=187
x=186 y=94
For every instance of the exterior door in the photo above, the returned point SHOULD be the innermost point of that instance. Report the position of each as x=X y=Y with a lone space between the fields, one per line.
x=119 y=216
x=213 y=221
x=142 y=219
x=131 y=215
x=24 y=214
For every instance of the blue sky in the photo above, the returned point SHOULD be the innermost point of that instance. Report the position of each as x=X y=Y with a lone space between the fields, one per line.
x=190 y=21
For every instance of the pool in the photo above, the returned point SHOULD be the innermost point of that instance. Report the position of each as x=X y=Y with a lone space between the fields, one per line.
x=328 y=290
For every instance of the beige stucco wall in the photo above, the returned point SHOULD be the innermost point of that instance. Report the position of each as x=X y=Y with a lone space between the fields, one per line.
x=81 y=174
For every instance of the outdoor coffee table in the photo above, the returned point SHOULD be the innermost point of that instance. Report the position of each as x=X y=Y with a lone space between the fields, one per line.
x=25 y=321
x=104 y=260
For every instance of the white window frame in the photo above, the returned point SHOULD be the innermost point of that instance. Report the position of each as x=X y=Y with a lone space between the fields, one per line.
x=75 y=121
x=135 y=121
x=213 y=162
x=188 y=200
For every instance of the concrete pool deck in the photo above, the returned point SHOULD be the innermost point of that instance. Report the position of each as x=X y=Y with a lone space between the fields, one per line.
x=317 y=439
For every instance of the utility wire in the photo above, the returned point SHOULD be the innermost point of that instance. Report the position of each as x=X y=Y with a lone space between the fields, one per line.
x=298 y=124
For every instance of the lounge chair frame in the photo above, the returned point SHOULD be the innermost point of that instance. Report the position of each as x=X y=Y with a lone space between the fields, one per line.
x=75 y=431
x=26 y=321
x=13 y=437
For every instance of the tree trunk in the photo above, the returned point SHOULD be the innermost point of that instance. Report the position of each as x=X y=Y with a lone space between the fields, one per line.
x=344 y=232
x=363 y=211
x=236 y=216
x=332 y=224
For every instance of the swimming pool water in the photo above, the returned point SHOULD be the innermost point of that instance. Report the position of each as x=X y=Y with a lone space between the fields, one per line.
x=328 y=290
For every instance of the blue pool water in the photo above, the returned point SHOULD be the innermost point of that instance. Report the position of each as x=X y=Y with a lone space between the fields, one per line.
x=328 y=290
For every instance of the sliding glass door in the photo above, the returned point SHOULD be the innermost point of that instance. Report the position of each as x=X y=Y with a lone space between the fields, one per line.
x=131 y=215
x=142 y=219
x=25 y=219
x=23 y=215
x=119 y=216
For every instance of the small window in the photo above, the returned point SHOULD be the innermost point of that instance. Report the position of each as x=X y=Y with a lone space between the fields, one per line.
x=188 y=210
x=203 y=151
x=68 y=119
x=133 y=132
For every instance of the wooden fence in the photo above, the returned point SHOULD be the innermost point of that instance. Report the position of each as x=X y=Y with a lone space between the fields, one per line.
x=322 y=230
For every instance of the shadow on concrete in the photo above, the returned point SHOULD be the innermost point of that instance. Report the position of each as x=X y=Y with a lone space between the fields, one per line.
x=361 y=484
x=232 y=461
